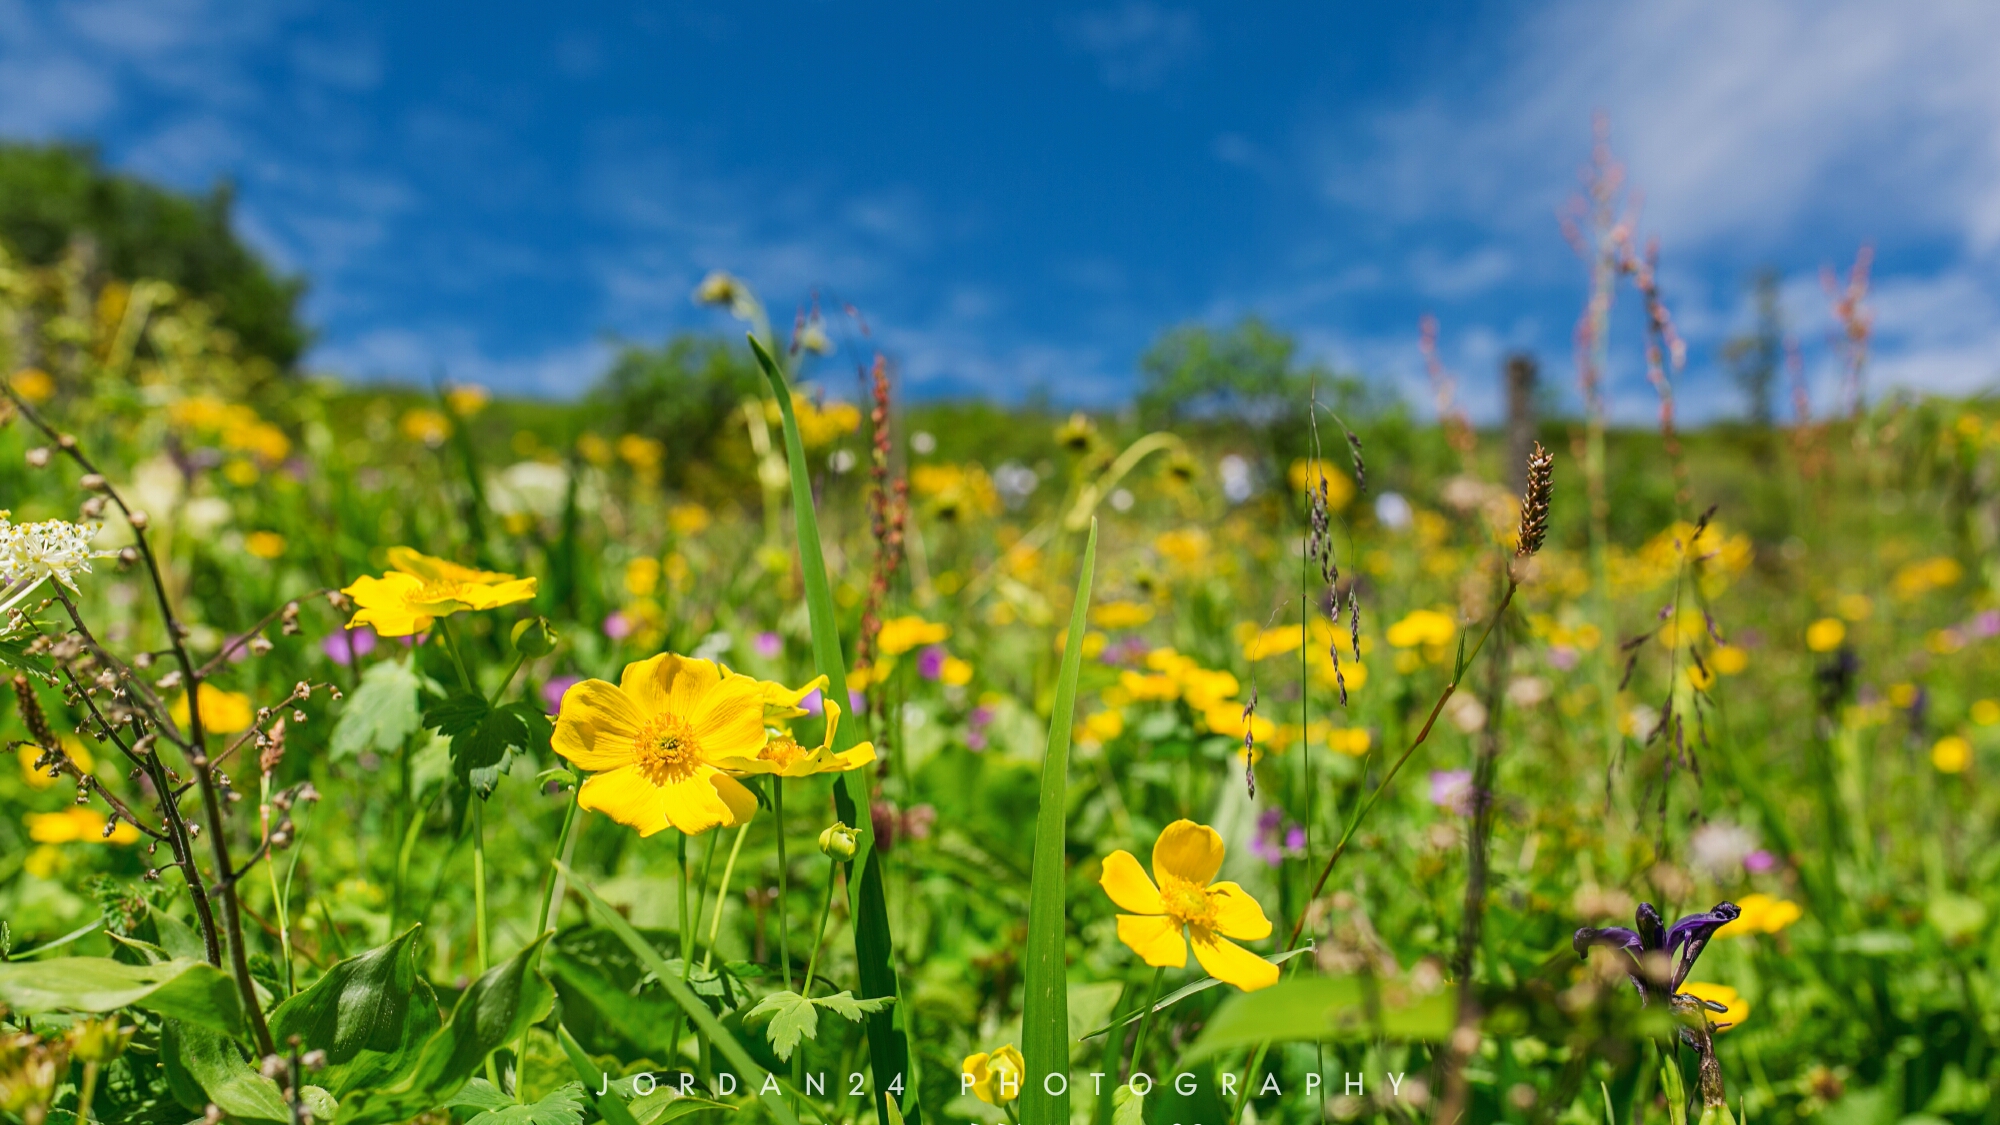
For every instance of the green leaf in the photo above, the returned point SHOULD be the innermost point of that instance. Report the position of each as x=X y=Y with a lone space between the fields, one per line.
x=718 y=1036
x=371 y=1014
x=561 y=1106
x=1045 y=996
x=205 y=1066
x=194 y=991
x=14 y=654
x=491 y=1014
x=888 y=1050
x=790 y=1016
x=1129 y=1106
x=637 y=1018
x=1324 y=1009
x=844 y=1004
x=457 y=713
x=381 y=713
x=610 y=1107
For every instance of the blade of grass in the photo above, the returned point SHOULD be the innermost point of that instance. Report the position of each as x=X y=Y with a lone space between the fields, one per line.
x=683 y=995
x=1182 y=993
x=888 y=1049
x=1045 y=1004
x=610 y=1107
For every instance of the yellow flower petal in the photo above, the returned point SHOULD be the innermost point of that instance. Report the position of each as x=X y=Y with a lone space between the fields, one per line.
x=1156 y=939
x=1126 y=882
x=740 y=801
x=1237 y=915
x=669 y=684
x=430 y=569
x=729 y=719
x=696 y=804
x=1231 y=963
x=597 y=726
x=1188 y=851
x=504 y=593
x=626 y=796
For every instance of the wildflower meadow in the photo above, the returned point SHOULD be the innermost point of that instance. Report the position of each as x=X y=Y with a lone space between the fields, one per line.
x=797 y=751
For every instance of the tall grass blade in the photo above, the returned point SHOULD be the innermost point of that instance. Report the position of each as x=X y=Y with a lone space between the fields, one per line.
x=1045 y=1003
x=670 y=979
x=888 y=1050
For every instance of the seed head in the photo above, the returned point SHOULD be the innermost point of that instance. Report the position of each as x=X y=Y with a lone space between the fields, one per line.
x=1535 y=503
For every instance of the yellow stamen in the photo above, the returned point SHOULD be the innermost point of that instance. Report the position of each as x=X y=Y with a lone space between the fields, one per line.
x=667 y=750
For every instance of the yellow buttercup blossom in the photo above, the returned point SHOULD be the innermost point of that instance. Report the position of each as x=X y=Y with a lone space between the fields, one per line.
x=1121 y=615
x=901 y=634
x=1826 y=634
x=1100 y=727
x=1761 y=914
x=40 y=779
x=222 y=712
x=1306 y=475
x=427 y=426
x=1736 y=1008
x=1187 y=901
x=1729 y=660
x=1423 y=627
x=1141 y=688
x=993 y=1078
x=1226 y=718
x=955 y=672
x=654 y=741
x=1351 y=741
x=1951 y=754
x=421 y=589
x=264 y=544
x=1985 y=712
x=1205 y=689
x=34 y=384
x=782 y=755
x=76 y=825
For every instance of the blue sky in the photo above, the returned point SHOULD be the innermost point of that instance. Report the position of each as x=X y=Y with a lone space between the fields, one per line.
x=1021 y=196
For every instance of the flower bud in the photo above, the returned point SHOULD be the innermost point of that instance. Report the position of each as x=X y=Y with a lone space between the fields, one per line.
x=534 y=637
x=98 y=1041
x=839 y=842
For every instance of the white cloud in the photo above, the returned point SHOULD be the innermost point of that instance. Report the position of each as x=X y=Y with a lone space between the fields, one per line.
x=1137 y=45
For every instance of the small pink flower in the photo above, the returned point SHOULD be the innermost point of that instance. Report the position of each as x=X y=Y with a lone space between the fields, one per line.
x=768 y=645
x=348 y=645
x=617 y=626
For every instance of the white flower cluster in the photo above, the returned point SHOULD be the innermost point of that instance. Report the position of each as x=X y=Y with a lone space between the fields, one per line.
x=31 y=553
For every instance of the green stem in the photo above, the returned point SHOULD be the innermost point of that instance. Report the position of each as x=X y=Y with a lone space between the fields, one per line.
x=479 y=905
x=722 y=896
x=87 y=1093
x=285 y=900
x=819 y=931
x=512 y=670
x=549 y=894
x=451 y=646
x=1249 y=1073
x=1146 y=1021
x=784 y=931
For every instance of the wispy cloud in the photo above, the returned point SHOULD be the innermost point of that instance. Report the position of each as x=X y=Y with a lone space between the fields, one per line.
x=1137 y=45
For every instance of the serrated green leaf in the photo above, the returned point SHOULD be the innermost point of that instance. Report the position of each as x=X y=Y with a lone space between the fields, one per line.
x=1045 y=993
x=204 y=1066
x=1326 y=1009
x=561 y=1106
x=380 y=714
x=371 y=1014
x=193 y=991
x=843 y=1003
x=790 y=1016
x=491 y=1014
x=456 y=713
x=1129 y=1106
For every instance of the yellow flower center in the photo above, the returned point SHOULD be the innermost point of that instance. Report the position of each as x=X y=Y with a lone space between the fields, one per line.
x=1187 y=903
x=782 y=750
x=667 y=750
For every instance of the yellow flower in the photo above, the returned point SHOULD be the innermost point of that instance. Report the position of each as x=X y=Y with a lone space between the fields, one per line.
x=1423 y=627
x=783 y=755
x=1951 y=754
x=1205 y=690
x=901 y=634
x=1902 y=695
x=1351 y=741
x=1307 y=473
x=1855 y=607
x=1737 y=1009
x=1185 y=859
x=993 y=1078
x=1100 y=727
x=1919 y=578
x=74 y=825
x=1762 y=914
x=653 y=742
x=1826 y=634
x=955 y=672
x=1986 y=712
x=426 y=426
x=40 y=779
x=1226 y=718
x=421 y=589
x=688 y=519
x=34 y=384
x=1729 y=660
x=222 y=712
x=1186 y=547
x=264 y=544
x=1262 y=644
x=1121 y=615
x=467 y=399
x=1140 y=688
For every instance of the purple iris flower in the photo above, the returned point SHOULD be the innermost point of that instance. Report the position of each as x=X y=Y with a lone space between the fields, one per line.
x=1685 y=938
x=346 y=646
